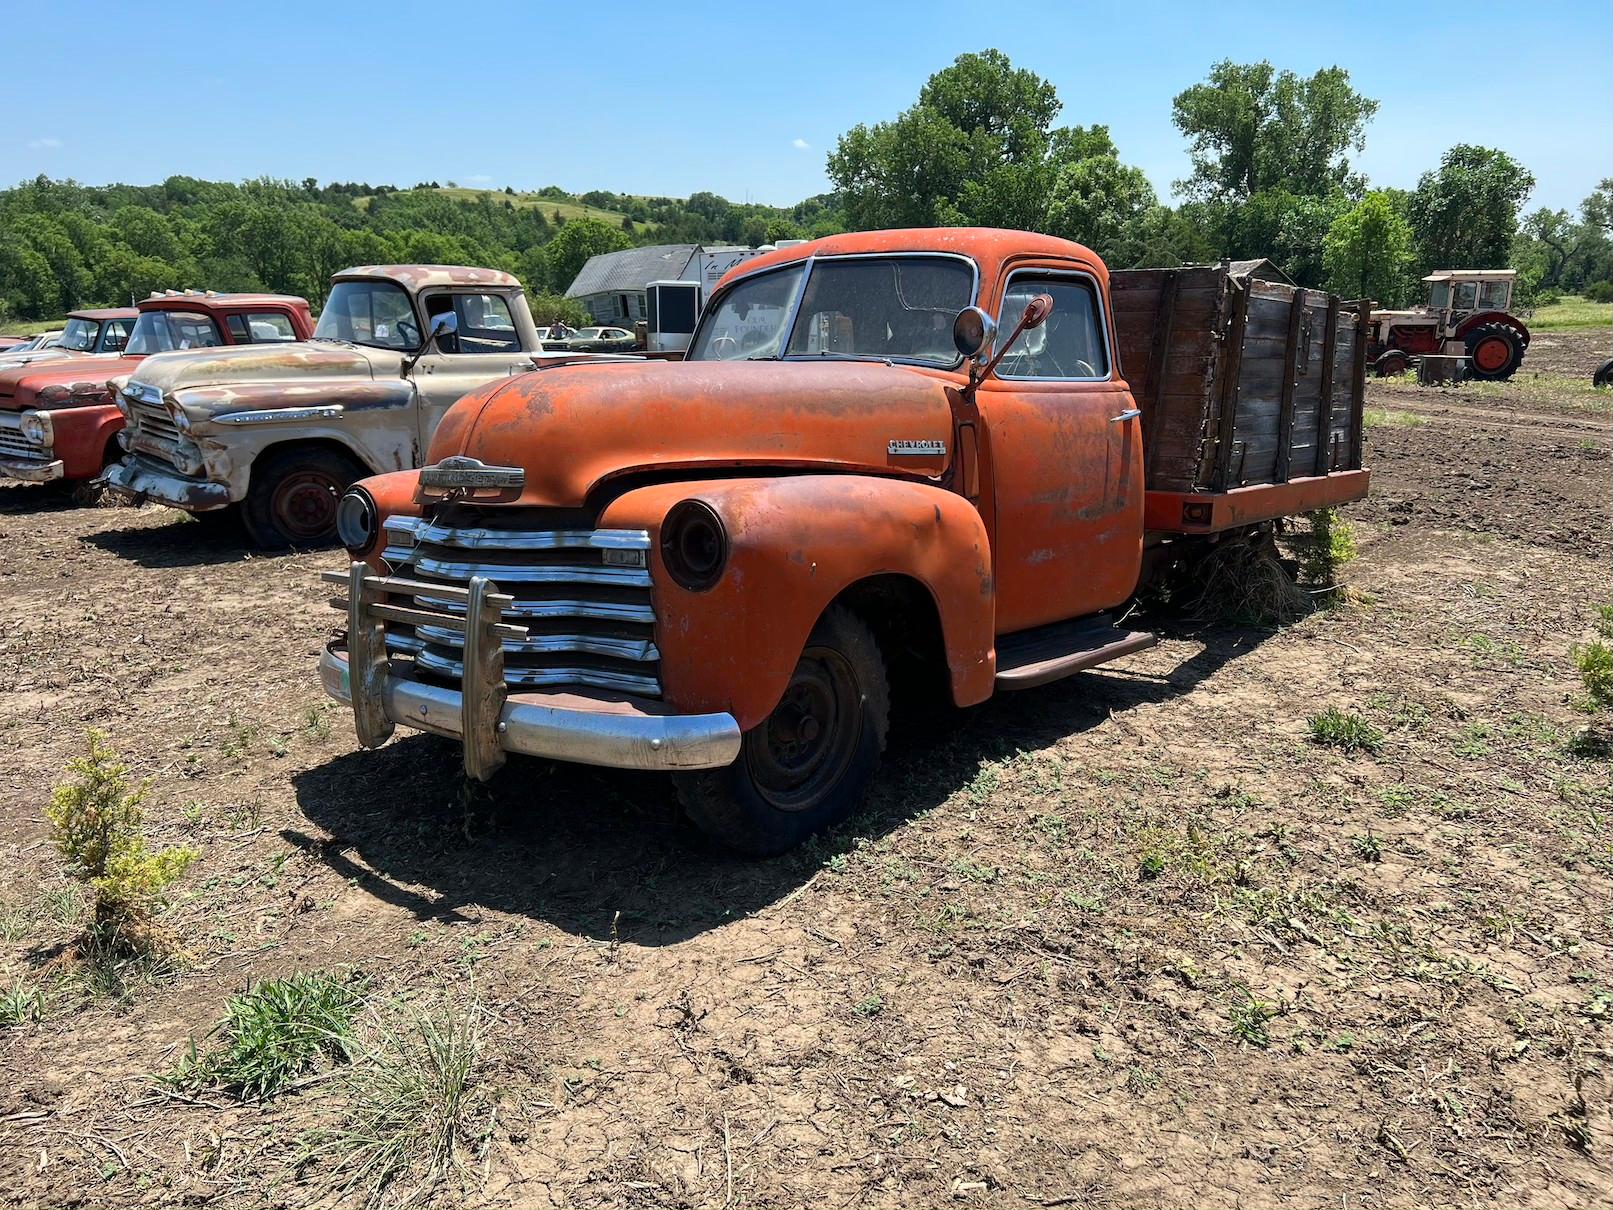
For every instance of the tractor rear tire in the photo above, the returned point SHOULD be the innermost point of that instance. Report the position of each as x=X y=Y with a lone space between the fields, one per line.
x=1392 y=364
x=1494 y=352
x=1603 y=378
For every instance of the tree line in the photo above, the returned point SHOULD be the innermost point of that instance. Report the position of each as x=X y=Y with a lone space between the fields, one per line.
x=1271 y=175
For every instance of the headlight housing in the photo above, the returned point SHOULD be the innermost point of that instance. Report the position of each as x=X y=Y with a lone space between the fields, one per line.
x=694 y=545
x=37 y=428
x=356 y=521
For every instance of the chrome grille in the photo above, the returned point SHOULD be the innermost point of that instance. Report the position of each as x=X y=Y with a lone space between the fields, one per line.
x=150 y=415
x=583 y=596
x=14 y=445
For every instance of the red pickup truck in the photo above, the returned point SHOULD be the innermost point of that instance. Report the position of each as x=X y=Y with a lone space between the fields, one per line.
x=58 y=419
x=945 y=454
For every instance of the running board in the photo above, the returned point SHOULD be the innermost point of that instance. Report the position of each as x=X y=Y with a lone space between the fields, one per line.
x=1048 y=653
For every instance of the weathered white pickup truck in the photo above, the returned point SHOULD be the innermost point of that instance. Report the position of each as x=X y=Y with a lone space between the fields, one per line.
x=279 y=433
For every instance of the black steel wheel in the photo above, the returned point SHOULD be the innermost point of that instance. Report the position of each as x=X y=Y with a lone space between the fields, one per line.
x=805 y=766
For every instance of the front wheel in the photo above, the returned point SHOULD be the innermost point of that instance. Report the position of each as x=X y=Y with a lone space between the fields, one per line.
x=292 y=499
x=806 y=765
x=1494 y=351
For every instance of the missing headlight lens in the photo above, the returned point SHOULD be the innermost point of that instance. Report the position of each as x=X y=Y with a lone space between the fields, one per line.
x=355 y=521
x=694 y=545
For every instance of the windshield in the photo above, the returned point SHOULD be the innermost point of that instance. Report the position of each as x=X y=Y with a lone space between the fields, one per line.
x=165 y=331
x=1439 y=295
x=374 y=313
x=901 y=308
x=79 y=335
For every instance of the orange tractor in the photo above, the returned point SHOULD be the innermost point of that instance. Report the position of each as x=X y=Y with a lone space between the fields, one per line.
x=1466 y=315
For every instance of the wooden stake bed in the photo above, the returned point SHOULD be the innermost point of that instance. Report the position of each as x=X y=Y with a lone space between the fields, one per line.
x=1251 y=394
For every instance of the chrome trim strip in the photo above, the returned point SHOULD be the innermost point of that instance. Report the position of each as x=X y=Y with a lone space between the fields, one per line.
x=642 y=650
x=271 y=415
x=483 y=538
x=558 y=573
x=618 y=741
x=597 y=678
x=608 y=611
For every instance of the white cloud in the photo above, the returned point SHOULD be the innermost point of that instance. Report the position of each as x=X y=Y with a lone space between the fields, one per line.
x=801 y=145
x=44 y=143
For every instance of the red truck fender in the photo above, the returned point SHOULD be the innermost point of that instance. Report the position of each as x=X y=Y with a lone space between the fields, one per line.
x=795 y=544
x=81 y=437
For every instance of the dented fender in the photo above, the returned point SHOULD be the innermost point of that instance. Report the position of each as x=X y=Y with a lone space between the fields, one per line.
x=795 y=543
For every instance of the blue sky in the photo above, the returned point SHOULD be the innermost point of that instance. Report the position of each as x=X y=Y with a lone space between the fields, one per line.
x=745 y=100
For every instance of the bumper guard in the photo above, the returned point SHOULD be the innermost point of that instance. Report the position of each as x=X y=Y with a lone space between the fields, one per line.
x=481 y=713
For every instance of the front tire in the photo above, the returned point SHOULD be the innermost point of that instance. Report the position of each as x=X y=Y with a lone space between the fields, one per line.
x=1494 y=352
x=292 y=499
x=805 y=766
x=1392 y=364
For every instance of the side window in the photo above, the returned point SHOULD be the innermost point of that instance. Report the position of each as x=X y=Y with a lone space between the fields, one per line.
x=270 y=327
x=1070 y=344
x=1494 y=295
x=238 y=330
x=116 y=335
x=485 y=323
x=1465 y=294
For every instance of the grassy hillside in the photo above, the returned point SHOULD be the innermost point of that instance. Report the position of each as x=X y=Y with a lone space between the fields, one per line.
x=567 y=210
x=1569 y=313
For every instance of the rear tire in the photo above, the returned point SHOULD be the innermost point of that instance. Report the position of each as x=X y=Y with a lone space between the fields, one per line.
x=1603 y=378
x=1494 y=352
x=1392 y=364
x=806 y=765
x=292 y=499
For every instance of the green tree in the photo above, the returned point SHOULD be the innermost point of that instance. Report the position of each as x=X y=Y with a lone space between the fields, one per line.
x=1252 y=129
x=1465 y=215
x=1287 y=227
x=573 y=244
x=1368 y=252
x=1103 y=204
x=978 y=147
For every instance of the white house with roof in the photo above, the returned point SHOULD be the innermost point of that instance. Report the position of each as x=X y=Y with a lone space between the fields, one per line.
x=611 y=285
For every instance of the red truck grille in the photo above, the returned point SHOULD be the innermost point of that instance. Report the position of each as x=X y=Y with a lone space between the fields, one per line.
x=14 y=445
x=583 y=596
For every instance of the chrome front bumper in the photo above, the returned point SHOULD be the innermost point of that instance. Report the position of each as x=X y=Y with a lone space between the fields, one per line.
x=619 y=735
x=29 y=471
x=141 y=481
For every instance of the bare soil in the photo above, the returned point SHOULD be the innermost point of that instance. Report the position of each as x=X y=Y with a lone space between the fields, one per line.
x=1131 y=939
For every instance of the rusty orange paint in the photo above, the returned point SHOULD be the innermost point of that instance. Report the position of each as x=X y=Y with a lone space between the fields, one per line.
x=1212 y=512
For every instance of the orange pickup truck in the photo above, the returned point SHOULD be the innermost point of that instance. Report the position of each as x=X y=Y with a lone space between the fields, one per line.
x=947 y=454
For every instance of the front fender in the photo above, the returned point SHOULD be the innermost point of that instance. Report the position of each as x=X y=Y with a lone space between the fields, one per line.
x=81 y=436
x=795 y=544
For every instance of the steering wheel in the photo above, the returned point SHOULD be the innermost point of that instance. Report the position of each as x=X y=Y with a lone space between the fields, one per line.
x=1085 y=369
x=408 y=332
x=724 y=348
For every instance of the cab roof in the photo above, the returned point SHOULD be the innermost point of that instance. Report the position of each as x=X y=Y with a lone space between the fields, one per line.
x=178 y=300
x=1480 y=274
x=102 y=314
x=419 y=276
x=990 y=247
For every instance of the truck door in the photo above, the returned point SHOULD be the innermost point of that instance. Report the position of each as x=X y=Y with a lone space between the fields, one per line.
x=1066 y=458
x=487 y=346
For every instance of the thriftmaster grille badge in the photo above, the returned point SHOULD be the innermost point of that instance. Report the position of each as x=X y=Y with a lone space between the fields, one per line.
x=917 y=448
x=471 y=472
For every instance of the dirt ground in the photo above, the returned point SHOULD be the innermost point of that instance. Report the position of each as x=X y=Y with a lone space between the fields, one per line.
x=1131 y=939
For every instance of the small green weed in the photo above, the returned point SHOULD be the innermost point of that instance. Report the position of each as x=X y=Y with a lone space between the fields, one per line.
x=273 y=1033
x=1249 y=1016
x=869 y=1006
x=1367 y=847
x=1348 y=732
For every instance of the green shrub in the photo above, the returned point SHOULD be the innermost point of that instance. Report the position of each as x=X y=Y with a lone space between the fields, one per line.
x=1333 y=728
x=95 y=821
x=1599 y=291
x=1327 y=546
x=272 y=1033
x=1595 y=661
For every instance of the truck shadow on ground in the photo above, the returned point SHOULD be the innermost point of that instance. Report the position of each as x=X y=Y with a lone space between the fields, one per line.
x=18 y=498
x=606 y=854
x=181 y=542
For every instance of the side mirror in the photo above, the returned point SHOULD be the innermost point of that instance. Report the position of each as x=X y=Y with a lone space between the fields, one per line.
x=1034 y=316
x=444 y=332
x=972 y=332
x=1036 y=312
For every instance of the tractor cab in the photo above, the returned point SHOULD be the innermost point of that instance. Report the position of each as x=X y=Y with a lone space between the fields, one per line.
x=1464 y=291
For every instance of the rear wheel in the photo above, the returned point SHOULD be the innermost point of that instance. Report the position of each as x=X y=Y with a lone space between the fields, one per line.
x=806 y=765
x=1494 y=351
x=292 y=500
x=1603 y=378
x=1392 y=364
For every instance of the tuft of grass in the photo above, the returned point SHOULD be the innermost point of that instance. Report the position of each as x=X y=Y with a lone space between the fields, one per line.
x=1594 y=660
x=1367 y=847
x=416 y=1104
x=273 y=1033
x=22 y=1003
x=1249 y=1016
x=1348 y=732
x=870 y=1006
x=1386 y=418
x=1245 y=583
x=1325 y=547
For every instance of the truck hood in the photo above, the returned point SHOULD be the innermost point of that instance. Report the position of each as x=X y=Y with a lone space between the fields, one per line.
x=241 y=364
x=83 y=376
x=573 y=427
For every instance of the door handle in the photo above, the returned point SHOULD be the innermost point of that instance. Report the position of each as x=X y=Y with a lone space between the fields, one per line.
x=1128 y=414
